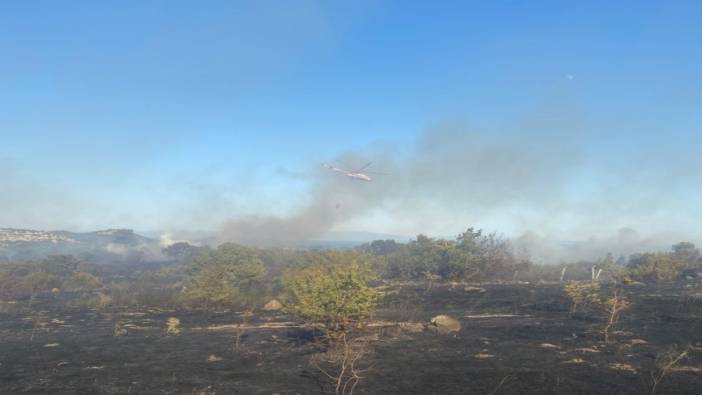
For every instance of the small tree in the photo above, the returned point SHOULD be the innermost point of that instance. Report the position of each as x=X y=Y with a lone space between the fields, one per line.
x=223 y=276
x=614 y=306
x=666 y=362
x=37 y=282
x=423 y=255
x=615 y=270
x=334 y=291
x=582 y=294
x=686 y=252
x=657 y=268
x=588 y=294
x=340 y=363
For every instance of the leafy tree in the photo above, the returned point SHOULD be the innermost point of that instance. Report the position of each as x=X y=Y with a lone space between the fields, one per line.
x=460 y=264
x=180 y=251
x=657 y=268
x=471 y=240
x=616 y=271
x=425 y=257
x=497 y=258
x=471 y=256
x=686 y=252
x=614 y=306
x=485 y=255
x=333 y=289
x=585 y=294
x=381 y=252
x=223 y=276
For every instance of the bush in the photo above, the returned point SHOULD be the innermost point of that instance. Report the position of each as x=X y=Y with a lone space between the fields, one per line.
x=225 y=276
x=656 y=268
x=40 y=281
x=334 y=290
x=471 y=256
x=83 y=281
x=582 y=294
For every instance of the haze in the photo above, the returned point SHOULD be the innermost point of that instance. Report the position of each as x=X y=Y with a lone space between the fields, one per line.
x=549 y=122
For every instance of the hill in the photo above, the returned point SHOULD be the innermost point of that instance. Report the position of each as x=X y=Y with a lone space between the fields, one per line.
x=108 y=245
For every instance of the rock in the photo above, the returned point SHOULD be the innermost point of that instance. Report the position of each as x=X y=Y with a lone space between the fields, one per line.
x=213 y=358
x=273 y=305
x=55 y=290
x=445 y=324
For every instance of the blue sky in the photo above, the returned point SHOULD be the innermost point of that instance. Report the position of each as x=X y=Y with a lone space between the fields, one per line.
x=166 y=114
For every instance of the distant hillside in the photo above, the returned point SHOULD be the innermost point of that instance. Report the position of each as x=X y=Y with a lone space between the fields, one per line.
x=123 y=245
x=109 y=245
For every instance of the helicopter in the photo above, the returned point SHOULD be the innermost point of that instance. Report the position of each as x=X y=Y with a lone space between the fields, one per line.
x=359 y=174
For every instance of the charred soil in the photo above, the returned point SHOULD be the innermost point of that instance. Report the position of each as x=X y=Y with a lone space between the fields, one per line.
x=514 y=339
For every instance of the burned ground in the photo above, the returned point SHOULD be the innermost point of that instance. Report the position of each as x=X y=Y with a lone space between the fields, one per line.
x=515 y=338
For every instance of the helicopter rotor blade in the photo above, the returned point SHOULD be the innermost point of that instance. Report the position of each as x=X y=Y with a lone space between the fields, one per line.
x=365 y=166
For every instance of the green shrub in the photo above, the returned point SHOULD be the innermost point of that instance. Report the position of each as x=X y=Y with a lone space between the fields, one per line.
x=334 y=290
x=585 y=294
x=656 y=268
x=40 y=281
x=83 y=281
x=225 y=276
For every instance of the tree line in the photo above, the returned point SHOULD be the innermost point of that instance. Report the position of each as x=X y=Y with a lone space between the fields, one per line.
x=241 y=276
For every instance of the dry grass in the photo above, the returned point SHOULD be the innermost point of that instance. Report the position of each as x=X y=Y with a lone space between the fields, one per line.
x=173 y=326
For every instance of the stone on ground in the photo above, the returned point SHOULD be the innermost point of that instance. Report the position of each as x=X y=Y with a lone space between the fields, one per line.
x=273 y=305
x=446 y=325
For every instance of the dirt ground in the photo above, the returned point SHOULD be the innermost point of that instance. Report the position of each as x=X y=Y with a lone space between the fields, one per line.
x=514 y=339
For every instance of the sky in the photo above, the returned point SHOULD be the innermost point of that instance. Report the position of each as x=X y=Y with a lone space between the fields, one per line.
x=568 y=120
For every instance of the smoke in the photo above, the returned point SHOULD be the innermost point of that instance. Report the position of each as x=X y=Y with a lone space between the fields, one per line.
x=543 y=182
x=469 y=174
x=624 y=242
x=165 y=239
